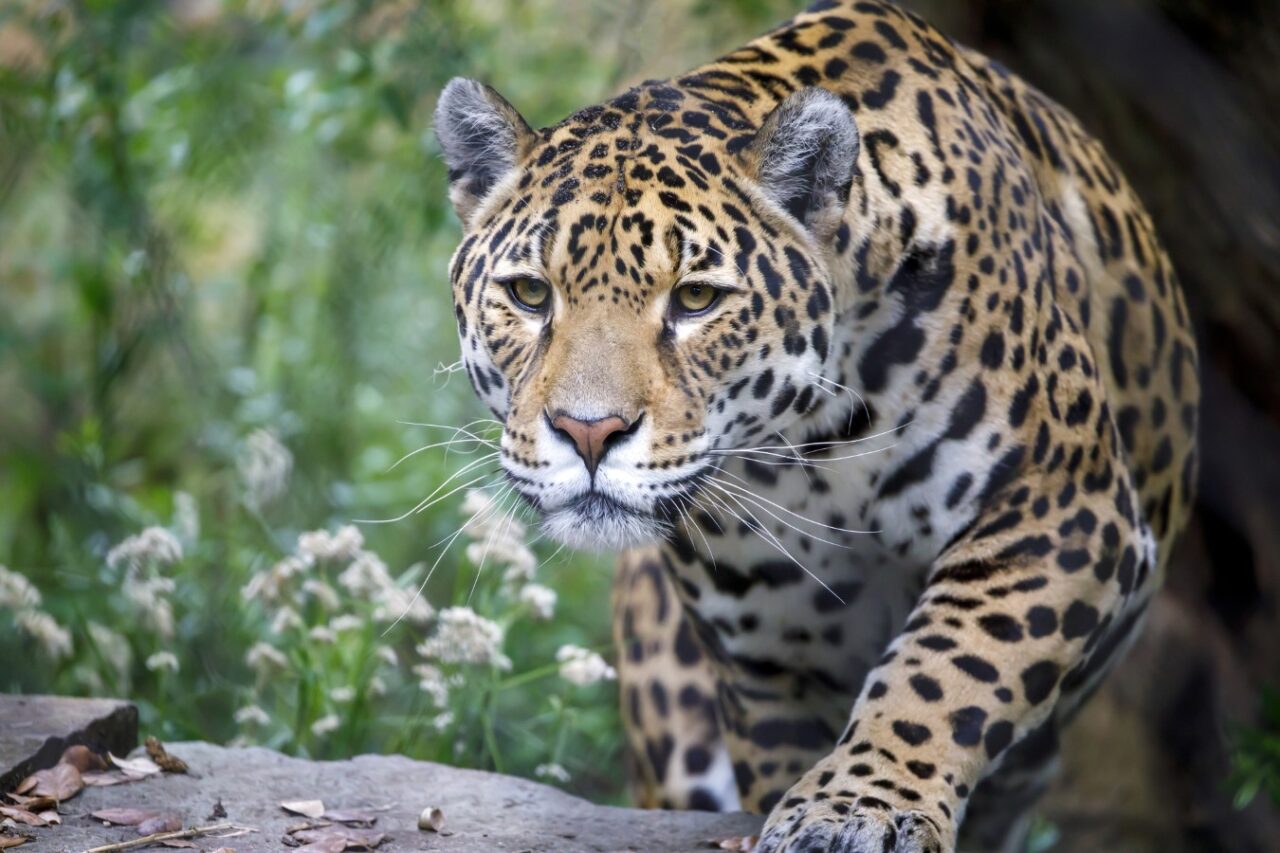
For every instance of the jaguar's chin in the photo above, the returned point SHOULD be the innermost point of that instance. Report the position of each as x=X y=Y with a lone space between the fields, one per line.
x=596 y=522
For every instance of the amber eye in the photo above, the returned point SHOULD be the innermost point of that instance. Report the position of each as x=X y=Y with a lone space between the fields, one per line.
x=694 y=298
x=529 y=293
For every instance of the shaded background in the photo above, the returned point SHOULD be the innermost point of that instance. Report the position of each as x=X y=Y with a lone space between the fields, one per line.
x=218 y=218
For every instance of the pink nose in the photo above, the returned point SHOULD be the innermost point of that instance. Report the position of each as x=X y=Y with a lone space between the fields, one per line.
x=591 y=438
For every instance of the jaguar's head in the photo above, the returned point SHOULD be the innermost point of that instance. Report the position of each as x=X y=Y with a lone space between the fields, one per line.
x=642 y=288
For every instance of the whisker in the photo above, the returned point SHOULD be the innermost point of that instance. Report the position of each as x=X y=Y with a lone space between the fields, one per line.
x=743 y=489
x=768 y=536
x=739 y=495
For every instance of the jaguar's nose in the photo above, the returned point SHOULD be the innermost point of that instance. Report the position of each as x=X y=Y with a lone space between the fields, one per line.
x=592 y=438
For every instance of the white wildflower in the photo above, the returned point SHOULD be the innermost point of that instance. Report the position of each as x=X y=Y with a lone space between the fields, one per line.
x=432 y=682
x=395 y=603
x=554 y=772
x=387 y=655
x=366 y=576
x=270 y=585
x=463 y=636
x=186 y=517
x=53 y=639
x=153 y=546
x=286 y=619
x=148 y=597
x=344 y=623
x=323 y=545
x=264 y=465
x=342 y=695
x=251 y=715
x=377 y=687
x=113 y=647
x=510 y=552
x=583 y=667
x=264 y=657
x=326 y=724
x=322 y=634
x=540 y=600
x=16 y=592
x=442 y=721
x=326 y=595
x=163 y=660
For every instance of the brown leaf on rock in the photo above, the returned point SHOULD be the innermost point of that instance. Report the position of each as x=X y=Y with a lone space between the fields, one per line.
x=307 y=808
x=139 y=767
x=166 y=822
x=62 y=782
x=351 y=817
x=225 y=850
x=7 y=841
x=21 y=815
x=329 y=845
x=166 y=762
x=351 y=838
x=82 y=758
x=180 y=842
x=99 y=779
x=123 y=817
x=34 y=804
x=743 y=844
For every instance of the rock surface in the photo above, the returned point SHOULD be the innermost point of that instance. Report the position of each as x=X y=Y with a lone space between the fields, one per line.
x=34 y=730
x=482 y=811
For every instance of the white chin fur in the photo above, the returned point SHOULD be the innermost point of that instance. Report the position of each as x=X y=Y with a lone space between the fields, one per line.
x=615 y=530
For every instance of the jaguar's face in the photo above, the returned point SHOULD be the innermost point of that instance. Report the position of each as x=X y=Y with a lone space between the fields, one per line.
x=634 y=303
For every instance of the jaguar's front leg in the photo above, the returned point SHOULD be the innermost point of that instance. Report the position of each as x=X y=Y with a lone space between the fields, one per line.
x=1020 y=616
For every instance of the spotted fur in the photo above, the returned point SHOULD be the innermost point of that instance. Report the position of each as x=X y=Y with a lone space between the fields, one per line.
x=898 y=500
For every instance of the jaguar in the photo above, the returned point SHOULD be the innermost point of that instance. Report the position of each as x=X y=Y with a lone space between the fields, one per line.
x=867 y=359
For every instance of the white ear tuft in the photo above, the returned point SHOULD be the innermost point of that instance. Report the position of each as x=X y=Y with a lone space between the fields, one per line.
x=482 y=136
x=804 y=155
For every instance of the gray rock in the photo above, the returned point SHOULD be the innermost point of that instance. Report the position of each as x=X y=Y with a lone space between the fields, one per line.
x=34 y=730
x=483 y=811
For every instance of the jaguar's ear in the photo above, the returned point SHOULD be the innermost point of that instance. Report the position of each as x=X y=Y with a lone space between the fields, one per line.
x=803 y=157
x=483 y=137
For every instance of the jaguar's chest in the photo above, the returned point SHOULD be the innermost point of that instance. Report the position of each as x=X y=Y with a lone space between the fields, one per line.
x=811 y=569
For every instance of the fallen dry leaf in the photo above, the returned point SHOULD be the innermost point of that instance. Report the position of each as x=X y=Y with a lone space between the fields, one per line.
x=51 y=817
x=167 y=822
x=180 y=842
x=329 y=845
x=99 y=779
x=225 y=850
x=33 y=804
x=62 y=782
x=351 y=838
x=140 y=766
x=307 y=808
x=166 y=762
x=23 y=816
x=743 y=844
x=351 y=817
x=125 y=817
x=82 y=758
x=7 y=841
x=431 y=819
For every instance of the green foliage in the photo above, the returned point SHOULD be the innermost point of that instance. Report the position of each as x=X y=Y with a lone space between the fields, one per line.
x=1256 y=757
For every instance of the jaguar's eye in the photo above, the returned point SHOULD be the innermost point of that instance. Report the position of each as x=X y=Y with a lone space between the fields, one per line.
x=529 y=293
x=690 y=299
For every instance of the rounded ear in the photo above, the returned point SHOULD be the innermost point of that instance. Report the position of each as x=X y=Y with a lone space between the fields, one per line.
x=803 y=157
x=482 y=136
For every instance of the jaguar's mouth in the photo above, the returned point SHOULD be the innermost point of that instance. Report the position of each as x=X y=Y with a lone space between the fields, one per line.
x=596 y=522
